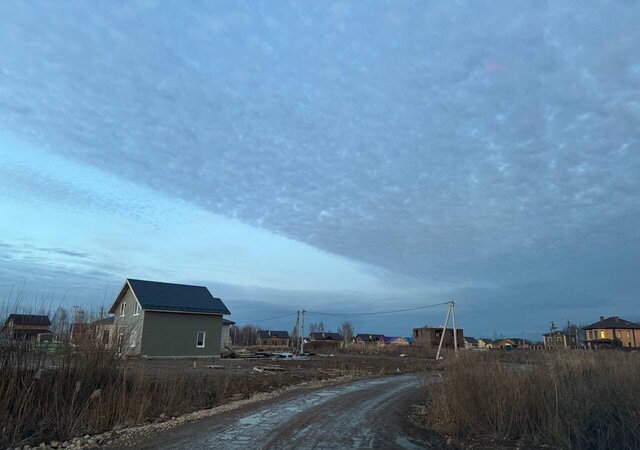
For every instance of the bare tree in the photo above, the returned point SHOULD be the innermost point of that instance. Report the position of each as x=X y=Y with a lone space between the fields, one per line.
x=346 y=330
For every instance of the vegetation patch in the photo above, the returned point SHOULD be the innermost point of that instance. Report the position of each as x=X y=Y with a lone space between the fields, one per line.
x=564 y=399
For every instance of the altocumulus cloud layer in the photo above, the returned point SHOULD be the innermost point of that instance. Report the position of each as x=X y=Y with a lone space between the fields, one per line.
x=493 y=147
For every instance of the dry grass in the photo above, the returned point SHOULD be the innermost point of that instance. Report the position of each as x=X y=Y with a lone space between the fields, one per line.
x=47 y=396
x=567 y=400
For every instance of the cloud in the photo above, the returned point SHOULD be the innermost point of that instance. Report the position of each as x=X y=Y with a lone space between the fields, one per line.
x=477 y=146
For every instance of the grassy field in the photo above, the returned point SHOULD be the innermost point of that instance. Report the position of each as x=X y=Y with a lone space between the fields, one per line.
x=564 y=400
x=56 y=396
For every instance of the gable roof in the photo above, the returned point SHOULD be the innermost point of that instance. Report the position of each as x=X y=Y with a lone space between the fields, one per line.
x=273 y=334
x=390 y=339
x=158 y=296
x=613 y=322
x=29 y=319
x=369 y=337
x=470 y=340
x=322 y=336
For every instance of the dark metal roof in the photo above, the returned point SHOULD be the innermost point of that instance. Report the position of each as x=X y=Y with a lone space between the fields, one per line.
x=176 y=297
x=613 y=322
x=274 y=334
x=228 y=322
x=29 y=319
x=322 y=336
x=470 y=339
x=106 y=320
x=369 y=337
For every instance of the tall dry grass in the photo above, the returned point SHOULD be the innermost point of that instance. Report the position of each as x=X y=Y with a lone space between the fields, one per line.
x=47 y=396
x=566 y=400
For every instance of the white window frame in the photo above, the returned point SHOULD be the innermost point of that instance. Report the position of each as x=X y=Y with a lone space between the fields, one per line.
x=133 y=338
x=136 y=309
x=204 y=339
x=123 y=309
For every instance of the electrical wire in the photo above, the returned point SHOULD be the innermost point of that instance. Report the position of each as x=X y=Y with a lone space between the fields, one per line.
x=270 y=318
x=376 y=313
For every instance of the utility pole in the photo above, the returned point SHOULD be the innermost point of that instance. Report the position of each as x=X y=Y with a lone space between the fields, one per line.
x=452 y=305
x=302 y=335
x=444 y=330
x=296 y=347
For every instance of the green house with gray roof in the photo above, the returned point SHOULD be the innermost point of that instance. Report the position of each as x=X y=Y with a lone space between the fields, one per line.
x=167 y=320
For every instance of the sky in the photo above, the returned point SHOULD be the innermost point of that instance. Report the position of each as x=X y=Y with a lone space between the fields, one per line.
x=343 y=157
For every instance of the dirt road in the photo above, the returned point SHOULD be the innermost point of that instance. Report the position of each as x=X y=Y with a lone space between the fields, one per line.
x=364 y=414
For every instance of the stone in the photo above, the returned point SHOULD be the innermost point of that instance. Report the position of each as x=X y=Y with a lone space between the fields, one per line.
x=55 y=444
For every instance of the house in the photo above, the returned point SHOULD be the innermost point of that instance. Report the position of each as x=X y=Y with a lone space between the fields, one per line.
x=470 y=342
x=430 y=337
x=503 y=343
x=273 y=338
x=369 y=339
x=101 y=332
x=225 y=340
x=613 y=331
x=154 y=319
x=322 y=336
x=395 y=340
x=560 y=339
x=25 y=327
x=484 y=342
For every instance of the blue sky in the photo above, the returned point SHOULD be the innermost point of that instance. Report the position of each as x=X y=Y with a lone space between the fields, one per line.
x=335 y=156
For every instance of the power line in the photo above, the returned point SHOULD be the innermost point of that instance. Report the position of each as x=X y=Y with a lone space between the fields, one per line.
x=377 y=313
x=270 y=318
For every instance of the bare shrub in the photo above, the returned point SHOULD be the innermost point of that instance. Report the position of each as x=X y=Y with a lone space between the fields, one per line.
x=568 y=399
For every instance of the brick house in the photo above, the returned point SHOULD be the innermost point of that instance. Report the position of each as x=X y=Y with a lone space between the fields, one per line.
x=560 y=339
x=273 y=338
x=612 y=331
x=429 y=337
x=25 y=327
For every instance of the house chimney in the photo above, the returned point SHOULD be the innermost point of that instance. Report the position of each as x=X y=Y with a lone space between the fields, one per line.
x=601 y=317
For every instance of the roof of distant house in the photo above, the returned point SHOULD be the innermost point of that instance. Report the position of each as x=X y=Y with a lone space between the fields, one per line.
x=560 y=332
x=325 y=336
x=613 y=322
x=369 y=337
x=273 y=334
x=158 y=296
x=106 y=320
x=29 y=319
x=470 y=339
x=390 y=339
x=228 y=322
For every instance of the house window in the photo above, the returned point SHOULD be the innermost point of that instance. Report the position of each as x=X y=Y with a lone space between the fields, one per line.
x=134 y=338
x=200 y=339
x=602 y=334
x=628 y=334
x=618 y=334
x=120 y=343
x=123 y=308
x=106 y=335
x=136 y=309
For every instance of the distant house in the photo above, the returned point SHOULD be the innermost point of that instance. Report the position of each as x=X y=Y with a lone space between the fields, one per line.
x=429 y=337
x=25 y=327
x=503 y=343
x=101 y=332
x=484 y=342
x=470 y=342
x=225 y=340
x=273 y=338
x=395 y=340
x=560 y=339
x=322 y=336
x=613 y=331
x=369 y=339
x=154 y=319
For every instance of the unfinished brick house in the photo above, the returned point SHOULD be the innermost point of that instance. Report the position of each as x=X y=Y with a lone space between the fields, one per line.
x=429 y=337
x=25 y=327
x=273 y=338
